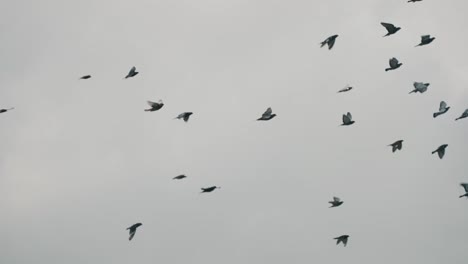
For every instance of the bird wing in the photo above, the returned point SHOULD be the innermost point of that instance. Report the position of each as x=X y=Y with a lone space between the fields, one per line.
x=465 y=113
x=132 y=70
x=441 y=152
x=442 y=106
x=267 y=112
x=465 y=186
x=132 y=234
x=349 y=116
x=388 y=26
x=346 y=119
x=393 y=62
x=152 y=104
x=186 y=117
x=425 y=38
x=344 y=240
x=331 y=43
x=336 y=199
x=180 y=116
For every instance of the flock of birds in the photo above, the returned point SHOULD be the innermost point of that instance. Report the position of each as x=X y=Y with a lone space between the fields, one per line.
x=347 y=120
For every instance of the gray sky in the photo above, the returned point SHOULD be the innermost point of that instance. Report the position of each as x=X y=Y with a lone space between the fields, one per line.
x=80 y=161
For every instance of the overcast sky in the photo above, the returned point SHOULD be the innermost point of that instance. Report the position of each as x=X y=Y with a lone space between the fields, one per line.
x=80 y=160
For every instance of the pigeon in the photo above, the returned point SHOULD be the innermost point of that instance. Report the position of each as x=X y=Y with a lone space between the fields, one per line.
x=345 y=89
x=394 y=64
x=397 y=145
x=414 y=1
x=463 y=115
x=180 y=177
x=330 y=41
x=347 y=119
x=342 y=239
x=440 y=150
x=426 y=39
x=209 y=189
x=154 y=106
x=132 y=230
x=132 y=73
x=267 y=115
x=420 y=87
x=6 y=110
x=465 y=186
x=391 y=29
x=185 y=116
x=336 y=202
x=85 y=77
x=443 y=108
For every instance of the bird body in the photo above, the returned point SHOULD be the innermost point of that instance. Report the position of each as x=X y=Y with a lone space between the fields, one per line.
x=397 y=145
x=394 y=64
x=330 y=41
x=6 y=110
x=209 y=189
x=132 y=73
x=85 y=77
x=179 y=177
x=425 y=40
x=267 y=115
x=440 y=150
x=345 y=89
x=443 y=108
x=463 y=115
x=342 y=239
x=420 y=87
x=154 y=106
x=347 y=119
x=465 y=186
x=391 y=29
x=132 y=230
x=414 y=1
x=185 y=116
x=336 y=202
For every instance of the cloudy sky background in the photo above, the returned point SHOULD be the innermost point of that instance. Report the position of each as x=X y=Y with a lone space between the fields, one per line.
x=80 y=161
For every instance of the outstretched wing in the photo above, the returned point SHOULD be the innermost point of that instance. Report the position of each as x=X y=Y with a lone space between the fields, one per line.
x=331 y=43
x=442 y=106
x=336 y=199
x=346 y=119
x=267 y=112
x=465 y=186
x=132 y=70
x=393 y=62
x=425 y=38
x=186 y=117
x=132 y=234
x=388 y=26
x=441 y=152
x=349 y=116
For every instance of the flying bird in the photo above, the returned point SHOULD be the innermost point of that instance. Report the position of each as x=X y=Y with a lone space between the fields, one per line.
x=347 y=119
x=185 y=116
x=132 y=73
x=180 y=177
x=443 y=108
x=414 y=1
x=465 y=186
x=420 y=87
x=391 y=29
x=394 y=64
x=463 y=115
x=85 y=77
x=440 y=150
x=132 y=230
x=342 y=239
x=397 y=145
x=330 y=41
x=426 y=39
x=336 y=202
x=345 y=89
x=6 y=110
x=210 y=189
x=154 y=106
x=267 y=115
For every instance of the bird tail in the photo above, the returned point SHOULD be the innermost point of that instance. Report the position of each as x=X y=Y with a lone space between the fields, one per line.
x=147 y=110
x=457 y=118
x=435 y=115
x=434 y=151
x=322 y=44
x=412 y=92
x=387 y=69
x=417 y=45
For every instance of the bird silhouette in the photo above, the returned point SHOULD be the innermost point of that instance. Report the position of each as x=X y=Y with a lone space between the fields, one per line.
x=391 y=29
x=209 y=189
x=443 y=108
x=330 y=41
x=426 y=39
x=347 y=119
x=414 y=1
x=465 y=186
x=6 y=110
x=132 y=73
x=463 y=115
x=397 y=145
x=132 y=230
x=419 y=87
x=394 y=64
x=154 y=106
x=179 y=177
x=336 y=202
x=440 y=151
x=85 y=77
x=267 y=115
x=345 y=89
x=185 y=116
x=342 y=239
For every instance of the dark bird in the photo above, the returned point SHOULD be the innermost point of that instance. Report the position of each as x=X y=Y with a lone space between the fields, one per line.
x=267 y=115
x=132 y=230
x=347 y=119
x=330 y=41
x=463 y=115
x=185 y=116
x=443 y=108
x=420 y=87
x=180 y=177
x=414 y=1
x=154 y=106
x=336 y=202
x=397 y=145
x=465 y=186
x=391 y=29
x=85 y=77
x=132 y=73
x=345 y=89
x=210 y=189
x=440 y=150
x=6 y=110
x=342 y=239
x=426 y=39
x=394 y=64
